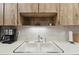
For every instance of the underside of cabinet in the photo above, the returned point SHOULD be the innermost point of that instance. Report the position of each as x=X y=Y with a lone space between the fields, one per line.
x=38 y=19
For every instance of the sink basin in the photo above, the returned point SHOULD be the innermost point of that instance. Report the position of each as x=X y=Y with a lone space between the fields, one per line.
x=28 y=48
x=50 y=48
x=38 y=47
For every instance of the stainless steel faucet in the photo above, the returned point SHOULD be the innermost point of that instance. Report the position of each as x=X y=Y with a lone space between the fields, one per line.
x=40 y=38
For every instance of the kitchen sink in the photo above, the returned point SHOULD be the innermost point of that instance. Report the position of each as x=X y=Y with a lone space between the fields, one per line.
x=50 y=48
x=38 y=47
x=27 y=48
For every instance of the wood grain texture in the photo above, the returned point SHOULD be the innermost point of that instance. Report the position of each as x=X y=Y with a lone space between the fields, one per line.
x=76 y=14
x=76 y=37
x=66 y=14
x=69 y=14
x=48 y=7
x=10 y=17
x=28 y=7
x=1 y=13
x=39 y=14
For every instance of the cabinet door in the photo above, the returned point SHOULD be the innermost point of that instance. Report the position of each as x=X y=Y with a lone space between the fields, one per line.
x=66 y=14
x=10 y=15
x=1 y=13
x=28 y=7
x=48 y=7
x=76 y=14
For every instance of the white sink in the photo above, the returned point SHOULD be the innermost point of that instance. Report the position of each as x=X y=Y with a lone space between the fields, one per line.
x=50 y=48
x=28 y=48
x=38 y=47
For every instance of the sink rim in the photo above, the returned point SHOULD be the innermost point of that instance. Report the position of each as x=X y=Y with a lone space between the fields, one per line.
x=14 y=51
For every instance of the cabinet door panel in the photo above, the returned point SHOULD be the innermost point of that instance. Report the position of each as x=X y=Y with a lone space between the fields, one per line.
x=48 y=7
x=66 y=14
x=28 y=7
x=10 y=17
x=69 y=14
x=76 y=14
x=1 y=13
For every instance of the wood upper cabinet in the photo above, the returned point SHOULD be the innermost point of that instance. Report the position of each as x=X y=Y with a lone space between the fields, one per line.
x=10 y=14
x=66 y=14
x=69 y=14
x=76 y=14
x=28 y=7
x=48 y=7
x=1 y=13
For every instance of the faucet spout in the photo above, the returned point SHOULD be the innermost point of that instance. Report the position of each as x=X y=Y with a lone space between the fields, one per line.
x=40 y=38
